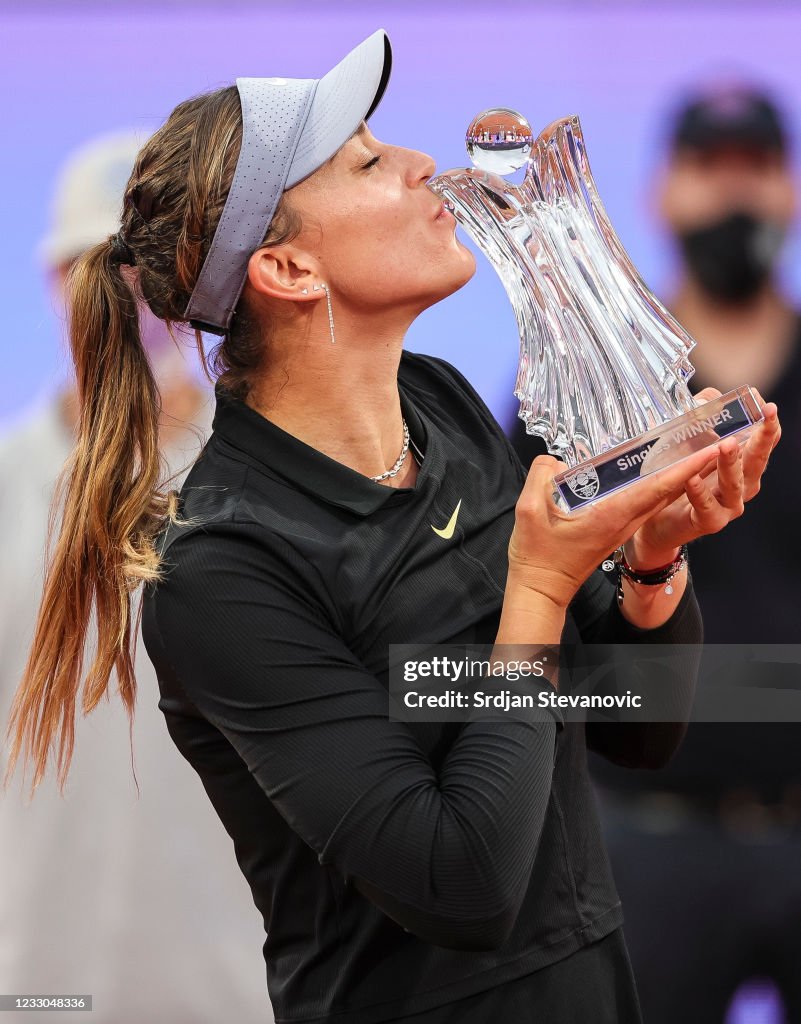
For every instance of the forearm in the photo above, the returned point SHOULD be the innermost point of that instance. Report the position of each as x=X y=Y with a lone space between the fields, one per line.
x=671 y=688
x=529 y=615
x=530 y=620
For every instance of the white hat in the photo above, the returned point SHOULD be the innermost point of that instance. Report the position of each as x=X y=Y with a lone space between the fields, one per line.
x=87 y=201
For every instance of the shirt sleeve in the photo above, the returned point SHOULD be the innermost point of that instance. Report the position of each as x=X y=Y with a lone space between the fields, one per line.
x=600 y=621
x=250 y=636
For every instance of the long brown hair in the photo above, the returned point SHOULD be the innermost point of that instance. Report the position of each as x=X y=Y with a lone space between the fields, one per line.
x=111 y=487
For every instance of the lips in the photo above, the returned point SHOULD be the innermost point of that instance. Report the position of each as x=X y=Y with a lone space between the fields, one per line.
x=446 y=209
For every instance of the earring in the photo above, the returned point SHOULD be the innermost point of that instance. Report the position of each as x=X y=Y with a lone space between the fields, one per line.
x=324 y=286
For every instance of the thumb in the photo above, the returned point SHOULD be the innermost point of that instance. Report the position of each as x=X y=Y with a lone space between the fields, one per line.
x=543 y=469
x=549 y=462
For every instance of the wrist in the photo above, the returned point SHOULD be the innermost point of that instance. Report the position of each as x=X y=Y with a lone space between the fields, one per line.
x=649 y=579
x=542 y=585
x=643 y=558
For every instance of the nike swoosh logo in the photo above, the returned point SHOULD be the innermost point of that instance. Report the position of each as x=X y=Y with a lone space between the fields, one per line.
x=447 y=531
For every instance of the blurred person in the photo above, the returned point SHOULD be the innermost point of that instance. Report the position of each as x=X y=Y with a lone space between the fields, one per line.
x=127 y=895
x=710 y=849
x=354 y=494
x=728 y=197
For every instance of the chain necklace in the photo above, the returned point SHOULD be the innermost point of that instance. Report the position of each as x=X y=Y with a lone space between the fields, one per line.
x=401 y=458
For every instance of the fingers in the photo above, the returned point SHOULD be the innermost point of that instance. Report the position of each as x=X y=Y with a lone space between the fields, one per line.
x=713 y=507
x=769 y=411
x=757 y=451
x=730 y=478
x=707 y=514
x=655 y=492
x=622 y=514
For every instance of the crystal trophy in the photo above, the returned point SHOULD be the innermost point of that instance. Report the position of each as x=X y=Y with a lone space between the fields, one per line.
x=603 y=366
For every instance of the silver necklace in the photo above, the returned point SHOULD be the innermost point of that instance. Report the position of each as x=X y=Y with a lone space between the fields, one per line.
x=401 y=457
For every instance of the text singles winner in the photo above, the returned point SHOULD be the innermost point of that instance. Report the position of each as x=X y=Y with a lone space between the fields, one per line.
x=662 y=444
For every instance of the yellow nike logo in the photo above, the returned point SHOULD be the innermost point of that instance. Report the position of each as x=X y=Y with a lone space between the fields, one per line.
x=447 y=531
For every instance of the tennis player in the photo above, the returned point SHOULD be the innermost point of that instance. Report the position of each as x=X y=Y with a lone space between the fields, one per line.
x=353 y=495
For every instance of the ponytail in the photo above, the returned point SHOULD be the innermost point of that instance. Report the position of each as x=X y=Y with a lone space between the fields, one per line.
x=113 y=510
x=110 y=516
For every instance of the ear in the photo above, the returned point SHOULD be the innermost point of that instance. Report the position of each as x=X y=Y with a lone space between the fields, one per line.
x=283 y=272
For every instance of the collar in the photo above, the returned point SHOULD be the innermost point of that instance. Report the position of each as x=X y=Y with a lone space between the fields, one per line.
x=284 y=455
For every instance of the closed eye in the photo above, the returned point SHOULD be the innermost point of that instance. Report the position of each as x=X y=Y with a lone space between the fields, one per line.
x=371 y=163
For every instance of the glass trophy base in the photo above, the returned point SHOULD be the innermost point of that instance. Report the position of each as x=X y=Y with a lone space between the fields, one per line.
x=735 y=413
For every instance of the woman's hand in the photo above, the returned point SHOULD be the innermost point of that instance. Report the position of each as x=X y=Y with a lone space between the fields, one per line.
x=712 y=497
x=553 y=552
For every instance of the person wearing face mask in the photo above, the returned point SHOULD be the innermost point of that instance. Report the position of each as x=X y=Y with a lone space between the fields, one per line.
x=727 y=195
x=711 y=849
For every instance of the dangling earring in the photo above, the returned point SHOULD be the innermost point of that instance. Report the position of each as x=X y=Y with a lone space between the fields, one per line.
x=324 y=286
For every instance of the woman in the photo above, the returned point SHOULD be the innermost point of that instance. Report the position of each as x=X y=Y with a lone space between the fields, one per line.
x=353 y=495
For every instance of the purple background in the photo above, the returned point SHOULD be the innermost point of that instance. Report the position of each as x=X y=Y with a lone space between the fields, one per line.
x=71 y=72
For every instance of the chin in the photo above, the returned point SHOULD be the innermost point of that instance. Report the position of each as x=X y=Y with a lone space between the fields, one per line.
x=464 y=272
x=459 y=272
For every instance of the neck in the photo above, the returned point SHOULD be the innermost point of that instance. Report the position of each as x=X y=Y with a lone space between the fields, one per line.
x=747 y=343
x=340 y=398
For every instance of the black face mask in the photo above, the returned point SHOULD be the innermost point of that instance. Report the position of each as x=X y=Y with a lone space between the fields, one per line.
x=732 y=258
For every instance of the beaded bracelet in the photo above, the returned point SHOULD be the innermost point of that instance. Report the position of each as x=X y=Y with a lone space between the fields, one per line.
x=664 y=574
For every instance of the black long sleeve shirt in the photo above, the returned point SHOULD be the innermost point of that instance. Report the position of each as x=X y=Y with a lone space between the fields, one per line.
x=398 y=866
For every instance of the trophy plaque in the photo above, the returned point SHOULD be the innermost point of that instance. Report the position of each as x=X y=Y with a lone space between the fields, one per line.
x=603 y=366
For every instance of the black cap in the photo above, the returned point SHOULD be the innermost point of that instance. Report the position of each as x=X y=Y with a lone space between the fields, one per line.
x=734 y=114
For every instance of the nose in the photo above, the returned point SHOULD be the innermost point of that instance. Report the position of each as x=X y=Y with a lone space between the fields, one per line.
x=421 y=167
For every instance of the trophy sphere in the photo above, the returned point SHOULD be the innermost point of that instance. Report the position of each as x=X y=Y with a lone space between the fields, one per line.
x=499 y=140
